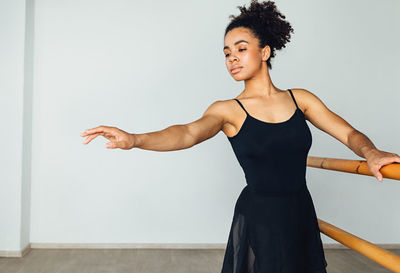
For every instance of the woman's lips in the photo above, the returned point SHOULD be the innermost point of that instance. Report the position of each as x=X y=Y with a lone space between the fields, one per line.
x=236 y=70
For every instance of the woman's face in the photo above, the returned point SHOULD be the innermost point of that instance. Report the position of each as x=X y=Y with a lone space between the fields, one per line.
x=241 y=50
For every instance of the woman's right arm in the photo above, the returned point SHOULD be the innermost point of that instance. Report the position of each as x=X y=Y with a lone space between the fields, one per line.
x=183 y=136
x=174 y=137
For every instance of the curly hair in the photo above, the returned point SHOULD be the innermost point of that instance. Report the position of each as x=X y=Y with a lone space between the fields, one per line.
x=267 y=24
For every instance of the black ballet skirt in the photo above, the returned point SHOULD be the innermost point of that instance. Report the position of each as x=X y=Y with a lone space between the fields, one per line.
x=274 y=227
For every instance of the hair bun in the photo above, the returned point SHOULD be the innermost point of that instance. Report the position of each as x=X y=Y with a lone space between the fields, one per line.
x=267 y=24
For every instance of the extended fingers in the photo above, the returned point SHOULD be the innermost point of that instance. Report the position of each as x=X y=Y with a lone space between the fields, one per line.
x=88 y=132
x=89 y=138
x=99 y=129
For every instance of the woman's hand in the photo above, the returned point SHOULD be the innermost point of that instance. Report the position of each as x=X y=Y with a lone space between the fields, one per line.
x=377 y=158
x=118 y=138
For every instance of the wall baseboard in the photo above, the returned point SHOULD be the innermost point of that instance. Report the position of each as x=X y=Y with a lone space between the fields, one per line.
x=30 y=246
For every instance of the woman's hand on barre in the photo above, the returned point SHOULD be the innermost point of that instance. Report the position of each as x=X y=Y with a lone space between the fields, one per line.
x=376 y=159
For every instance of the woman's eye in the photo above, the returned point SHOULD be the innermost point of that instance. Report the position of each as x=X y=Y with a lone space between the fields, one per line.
x=226 y=55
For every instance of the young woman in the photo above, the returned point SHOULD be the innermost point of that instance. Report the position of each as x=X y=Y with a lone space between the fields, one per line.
x=274 y=228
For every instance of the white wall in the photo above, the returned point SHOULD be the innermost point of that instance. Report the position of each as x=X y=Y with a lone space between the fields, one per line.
x=143 y=66
x=16 y=52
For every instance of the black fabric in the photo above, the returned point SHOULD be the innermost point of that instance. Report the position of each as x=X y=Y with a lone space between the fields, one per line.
x=274 y=227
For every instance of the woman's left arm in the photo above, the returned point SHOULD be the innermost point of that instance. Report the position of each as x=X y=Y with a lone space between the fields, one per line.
x=326 y=120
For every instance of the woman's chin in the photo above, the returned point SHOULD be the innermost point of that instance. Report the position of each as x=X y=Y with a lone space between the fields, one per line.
x=238 y=77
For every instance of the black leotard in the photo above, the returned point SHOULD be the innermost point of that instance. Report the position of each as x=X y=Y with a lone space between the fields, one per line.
x=274 y=227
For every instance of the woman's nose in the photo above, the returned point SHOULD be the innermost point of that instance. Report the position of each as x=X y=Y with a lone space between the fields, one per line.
x=232 y=58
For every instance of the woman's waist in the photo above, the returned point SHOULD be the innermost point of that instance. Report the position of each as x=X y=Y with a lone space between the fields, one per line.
x=281 y=189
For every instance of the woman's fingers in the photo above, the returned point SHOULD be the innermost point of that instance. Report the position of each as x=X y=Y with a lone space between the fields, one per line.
x=99 y=129
x=93 y=133
x=87 y=132
x=118 y=138
x=90 y=138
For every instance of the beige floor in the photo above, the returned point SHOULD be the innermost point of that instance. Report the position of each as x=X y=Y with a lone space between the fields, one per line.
x=157 y=261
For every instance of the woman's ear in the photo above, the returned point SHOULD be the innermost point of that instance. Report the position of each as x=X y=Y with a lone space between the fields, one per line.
x=266 y=52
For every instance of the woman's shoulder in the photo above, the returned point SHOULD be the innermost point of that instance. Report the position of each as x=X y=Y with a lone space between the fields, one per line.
x=225 y=108
x=306 y=99
x=221 y=108
x=302 y=92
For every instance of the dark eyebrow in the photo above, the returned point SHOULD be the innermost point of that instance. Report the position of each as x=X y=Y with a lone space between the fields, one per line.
x=240 y=41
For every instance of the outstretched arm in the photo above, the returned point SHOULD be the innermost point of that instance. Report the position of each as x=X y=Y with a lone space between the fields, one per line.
x=183 y=136
x=174 y=137
x=326 y=120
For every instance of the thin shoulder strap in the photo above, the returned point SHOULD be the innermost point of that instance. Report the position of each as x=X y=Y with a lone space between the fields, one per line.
x=293 y=98
x=241 y=105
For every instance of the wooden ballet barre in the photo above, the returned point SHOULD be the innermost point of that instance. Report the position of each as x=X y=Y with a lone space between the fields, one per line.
x=391 y=171
x=380 y=255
